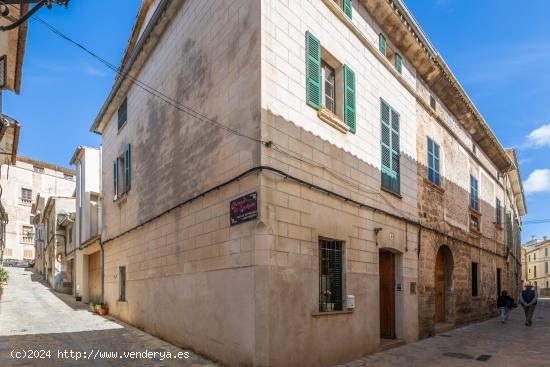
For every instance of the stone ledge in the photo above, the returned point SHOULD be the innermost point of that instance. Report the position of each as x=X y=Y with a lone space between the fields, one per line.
x=330 y=118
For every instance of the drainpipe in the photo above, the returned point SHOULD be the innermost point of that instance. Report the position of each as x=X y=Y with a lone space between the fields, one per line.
x=102 y=276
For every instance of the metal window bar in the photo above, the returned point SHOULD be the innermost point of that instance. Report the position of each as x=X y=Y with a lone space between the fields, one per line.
x=330 y=275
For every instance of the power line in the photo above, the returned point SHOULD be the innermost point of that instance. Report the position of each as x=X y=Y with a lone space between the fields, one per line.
x=536 y=221
x=154 y=92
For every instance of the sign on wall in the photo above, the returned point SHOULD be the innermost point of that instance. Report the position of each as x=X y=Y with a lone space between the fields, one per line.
x=243 y=209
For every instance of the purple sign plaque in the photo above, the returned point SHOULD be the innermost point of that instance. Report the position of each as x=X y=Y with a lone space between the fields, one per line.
x=243 y=209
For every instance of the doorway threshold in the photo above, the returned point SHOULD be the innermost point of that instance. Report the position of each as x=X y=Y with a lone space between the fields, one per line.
x=387 y=344
x=442 y=327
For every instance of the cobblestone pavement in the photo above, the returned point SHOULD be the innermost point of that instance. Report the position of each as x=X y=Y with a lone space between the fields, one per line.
x=34 y=318
x=505 y=345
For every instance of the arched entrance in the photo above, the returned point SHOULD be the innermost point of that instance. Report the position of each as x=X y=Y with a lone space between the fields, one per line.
x=443 y=283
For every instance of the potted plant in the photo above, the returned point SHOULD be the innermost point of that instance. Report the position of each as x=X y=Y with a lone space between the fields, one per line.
x=102 y=309
x=92 y=308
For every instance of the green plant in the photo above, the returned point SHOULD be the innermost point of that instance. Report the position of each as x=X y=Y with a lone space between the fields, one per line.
x=4 y=276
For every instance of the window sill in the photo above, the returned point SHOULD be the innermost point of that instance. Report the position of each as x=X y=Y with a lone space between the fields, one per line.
x=475 y=211
x=331 y=313
x=475 y=231
x=437 y=188
x=330 y=118
x=396 y=194
x=122 y=198
x=122 y=127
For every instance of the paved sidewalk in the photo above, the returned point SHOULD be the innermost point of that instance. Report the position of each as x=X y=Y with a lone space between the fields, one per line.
x=505 y=345
x=34 y=318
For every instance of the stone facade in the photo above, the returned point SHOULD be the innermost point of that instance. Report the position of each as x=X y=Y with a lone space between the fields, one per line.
x=21 y=185
x=537 y=262
x=251 y=294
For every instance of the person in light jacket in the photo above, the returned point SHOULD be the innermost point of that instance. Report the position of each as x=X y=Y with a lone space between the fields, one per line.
x=528 y=300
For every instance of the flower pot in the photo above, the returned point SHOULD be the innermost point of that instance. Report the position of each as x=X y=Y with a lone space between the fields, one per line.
x=93 y=309
x=103 y=311
x=328 y=307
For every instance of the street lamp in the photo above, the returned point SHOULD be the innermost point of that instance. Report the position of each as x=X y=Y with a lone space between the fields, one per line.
x=6 y=4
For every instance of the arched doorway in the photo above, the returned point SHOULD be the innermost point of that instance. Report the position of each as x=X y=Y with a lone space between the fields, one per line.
x=443 y=283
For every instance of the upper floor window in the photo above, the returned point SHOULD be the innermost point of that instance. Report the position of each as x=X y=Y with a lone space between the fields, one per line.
x=474 y=195
x=346 y=6
x=398 y=63
x=433 y=162
x=382 y=44
x=66 y=176
x=389 y=143
x=123 y=113
x=498 y=212
x=38 y=169
x=26 y=196
x=546 y=252
x=330 y=86
x=122 y=172
x=433 y=103
x=27 y=234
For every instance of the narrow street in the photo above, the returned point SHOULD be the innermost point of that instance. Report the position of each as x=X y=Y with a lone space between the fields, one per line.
x=49 y=326
x=488 y=343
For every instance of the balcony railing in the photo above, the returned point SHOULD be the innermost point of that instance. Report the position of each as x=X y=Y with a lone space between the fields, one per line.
x=29 y=240
x=26 y=202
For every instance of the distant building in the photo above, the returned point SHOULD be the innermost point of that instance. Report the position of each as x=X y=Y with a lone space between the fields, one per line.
x=537 y=262
x=21 y=184
x=87 y=255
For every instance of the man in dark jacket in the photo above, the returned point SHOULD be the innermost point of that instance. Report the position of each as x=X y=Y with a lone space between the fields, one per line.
x=504 y=304
x=529 y=300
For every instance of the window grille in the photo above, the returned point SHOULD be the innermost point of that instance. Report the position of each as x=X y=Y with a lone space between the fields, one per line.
x=331 y=260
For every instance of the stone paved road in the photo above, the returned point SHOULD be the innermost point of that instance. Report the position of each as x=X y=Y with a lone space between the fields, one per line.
x=32 y=317
x=508 y=345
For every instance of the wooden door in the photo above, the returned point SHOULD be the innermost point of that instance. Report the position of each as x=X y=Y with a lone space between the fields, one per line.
x=387 y=295
x=440 y=287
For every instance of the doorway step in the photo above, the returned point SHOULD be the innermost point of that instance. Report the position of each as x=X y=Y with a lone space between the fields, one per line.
x=387 y=344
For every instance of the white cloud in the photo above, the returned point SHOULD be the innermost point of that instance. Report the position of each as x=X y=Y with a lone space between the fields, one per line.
x=90 y=70
x=540 y=137
x=538 y=181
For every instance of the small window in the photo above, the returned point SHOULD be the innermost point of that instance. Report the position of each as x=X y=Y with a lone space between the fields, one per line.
x=475 y=275
x=498 y=213
x=38 y=169
x=433 y=162
x=31 y=219
x=535 y=256
x=382 y=44
x=398 y=63
x=68 y=177
x=329 y=82
x=499 y=281
x=546 y=267
x=331 y=275
x=474 y=196
x=122 y=166
x=123 y=113
x=26 y=196
x=390 y=148
x=8 y=252
x=122 y=283
x=433 y=104
x=535 y=271
x=28 y=255
x=27 y=234
x=546 y=252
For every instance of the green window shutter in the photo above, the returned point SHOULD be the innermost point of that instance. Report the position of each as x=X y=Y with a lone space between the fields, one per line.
x=115 y=177
x=433 y=162
x=389 y=142
x=473 y=193
x=349 y=98
x=127 y=166
x=348 y=9
x=123 y=113
x=313 y=71
x=398 y=63
x=382 y=45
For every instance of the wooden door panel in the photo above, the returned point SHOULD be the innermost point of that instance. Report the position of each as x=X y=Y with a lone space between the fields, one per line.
x=387 y=295
x=440 y=287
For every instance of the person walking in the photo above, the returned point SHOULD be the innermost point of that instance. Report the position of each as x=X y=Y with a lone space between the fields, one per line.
x=528 y=300
x=504 y=304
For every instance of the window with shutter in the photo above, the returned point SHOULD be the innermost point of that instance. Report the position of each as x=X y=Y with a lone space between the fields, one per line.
x=348 y=9
x=382 y=44
x=313 y=71
x=123 y=113
x=498 y=213
x=398 y=63
x=115 y=178
x=331 y=275
x=349 y=98
x=127 y=167
x=474 y=198
x=433 y=162
x=475 y=279
x=390 y=150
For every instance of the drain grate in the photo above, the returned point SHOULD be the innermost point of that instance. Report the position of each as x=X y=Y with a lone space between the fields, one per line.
x=458 y=355
x=483 y=357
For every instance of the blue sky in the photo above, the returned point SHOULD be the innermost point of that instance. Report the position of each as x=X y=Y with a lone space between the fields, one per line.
x=499 y=54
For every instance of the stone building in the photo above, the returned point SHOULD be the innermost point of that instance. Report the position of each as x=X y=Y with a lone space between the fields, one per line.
x=264 y=197
x=21 y=183
x=87 y=225
x=57 y=217
x=537 y=260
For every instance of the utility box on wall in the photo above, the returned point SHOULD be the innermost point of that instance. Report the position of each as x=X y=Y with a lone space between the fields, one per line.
x=350 y=302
